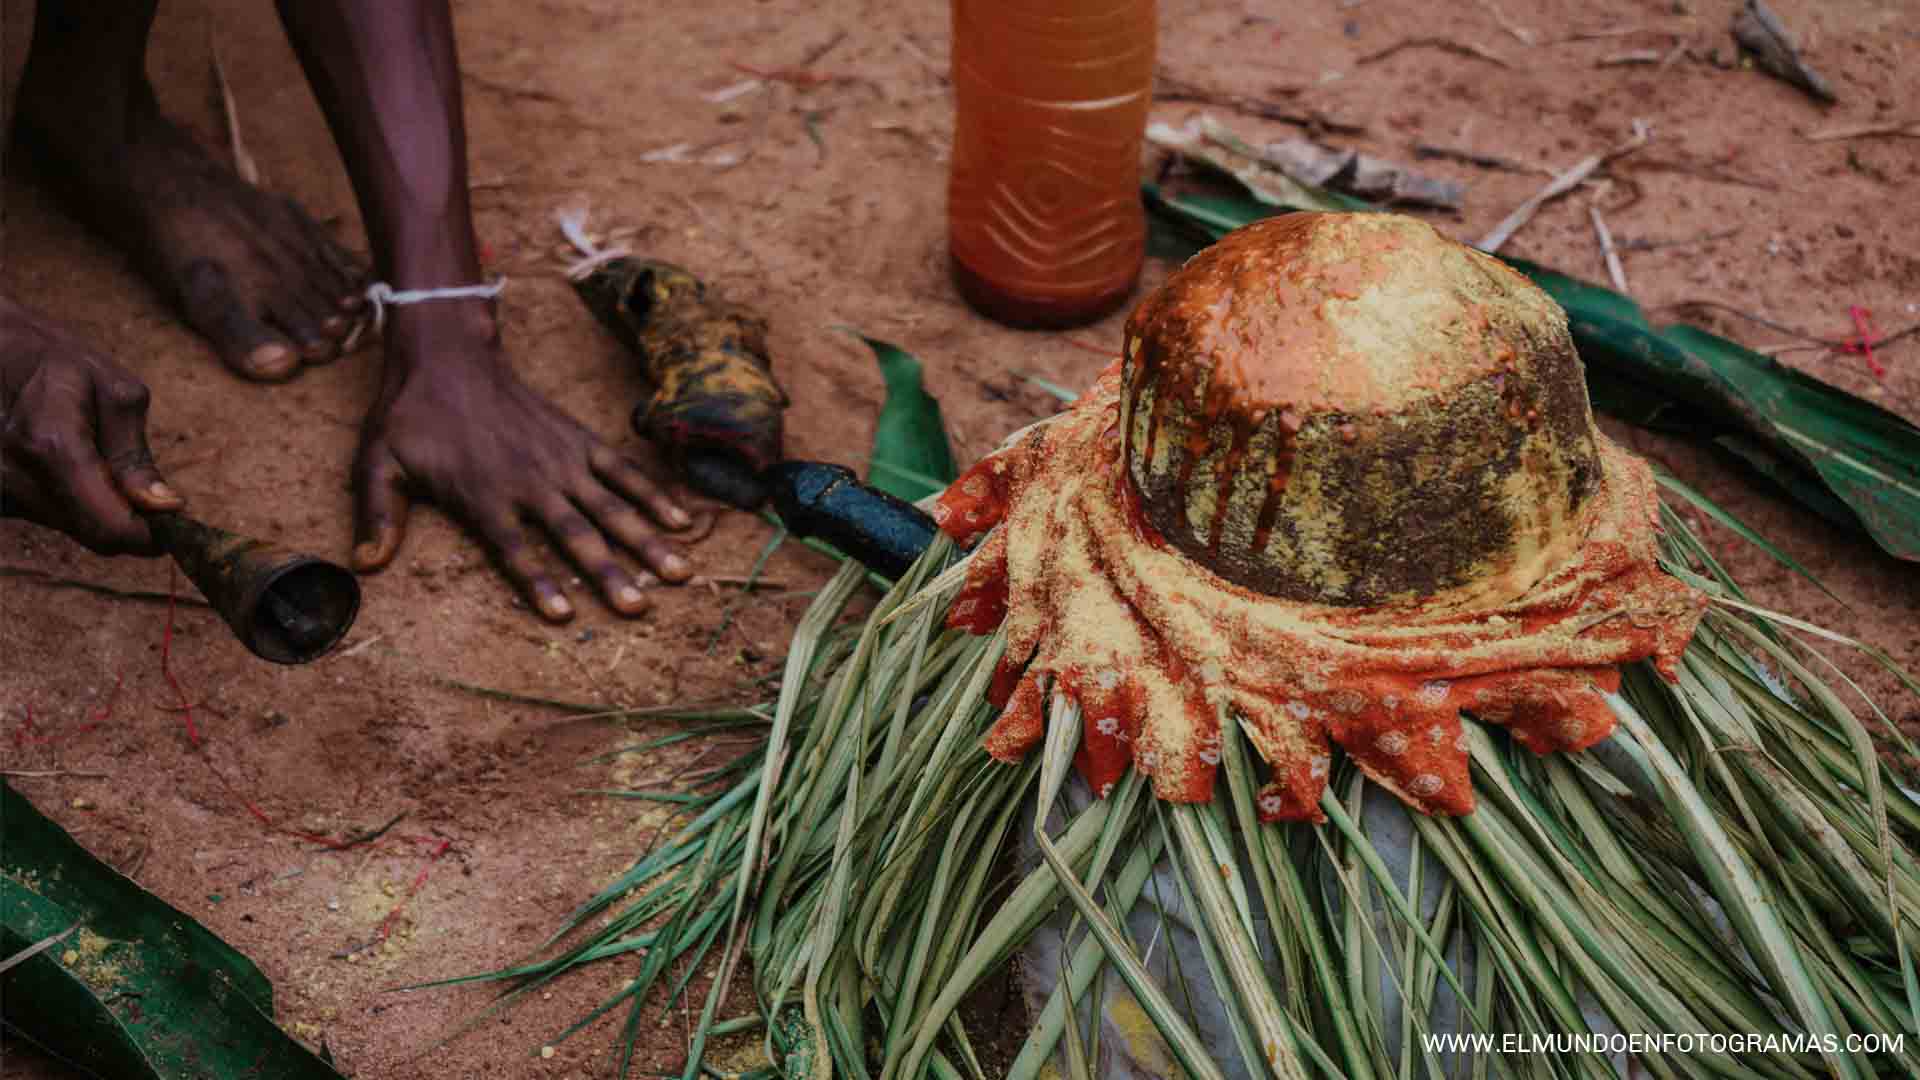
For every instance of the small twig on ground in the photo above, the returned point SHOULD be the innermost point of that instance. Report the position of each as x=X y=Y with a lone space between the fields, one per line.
x=912 y=46
x=728 y=93
x=800 y=75
x=50 y=581
x=737 y=581
x=1521 y=33
x=243 y=163
x=1476 y=157
x=516 y=698
x=1634 y=56
x=1601 y=34
x=1559 y=186
x=1644 y=244
x=1615 y=272
x=1172 y=88
x=509 y=90
x=1863 y=342
x=35 y=949
x=1683 y=306
x=1706 y=171
x=131 y=869
x=1908 y=129
x=48 y=774
x=819 y=52
x=360 y=647
x=1460 y=48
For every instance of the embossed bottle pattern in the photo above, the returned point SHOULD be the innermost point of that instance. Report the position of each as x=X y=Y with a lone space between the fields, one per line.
x=1051 y=96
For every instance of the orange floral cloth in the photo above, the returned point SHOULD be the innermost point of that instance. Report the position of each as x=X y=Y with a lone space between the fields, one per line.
x=1155 y=648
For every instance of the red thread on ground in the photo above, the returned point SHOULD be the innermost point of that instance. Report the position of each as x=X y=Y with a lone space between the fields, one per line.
x=420 y=879
x=1863 y=342
x=28 y=733
x=24 y=735
x=193 y=736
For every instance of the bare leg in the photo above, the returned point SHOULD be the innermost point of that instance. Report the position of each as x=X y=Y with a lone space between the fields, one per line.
x=452 y=421
x=249 y=270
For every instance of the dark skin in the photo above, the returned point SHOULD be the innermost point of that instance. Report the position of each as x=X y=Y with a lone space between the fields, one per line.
x=271 y=292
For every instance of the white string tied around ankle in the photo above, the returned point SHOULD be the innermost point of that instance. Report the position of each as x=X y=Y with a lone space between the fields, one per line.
x=573 y=225
x=382 y=295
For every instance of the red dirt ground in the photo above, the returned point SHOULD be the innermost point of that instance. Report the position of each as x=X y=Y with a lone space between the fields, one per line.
x=563 y=99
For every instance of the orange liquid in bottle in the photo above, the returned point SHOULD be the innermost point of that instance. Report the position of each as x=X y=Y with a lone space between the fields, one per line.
x=1044 y=218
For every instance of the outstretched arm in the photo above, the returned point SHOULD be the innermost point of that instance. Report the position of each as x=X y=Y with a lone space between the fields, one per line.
x=452 y=422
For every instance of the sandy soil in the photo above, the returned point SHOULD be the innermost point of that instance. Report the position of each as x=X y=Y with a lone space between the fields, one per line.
x=834 y=217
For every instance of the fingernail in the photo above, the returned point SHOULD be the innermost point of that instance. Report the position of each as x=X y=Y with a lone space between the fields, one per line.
x=159 y=490
x=678 y=518
x=558 y=606
x=676 y=565
x=629 y=596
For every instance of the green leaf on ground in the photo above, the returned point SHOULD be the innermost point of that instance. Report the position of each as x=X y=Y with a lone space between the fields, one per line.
x=138 y=990
x=911 y=455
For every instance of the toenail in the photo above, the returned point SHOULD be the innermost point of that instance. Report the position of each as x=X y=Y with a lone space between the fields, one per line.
x=676 y=565
x=557 y=605
x=274 y=359
x=630 y=596
x=678 y=518
x=159 y=490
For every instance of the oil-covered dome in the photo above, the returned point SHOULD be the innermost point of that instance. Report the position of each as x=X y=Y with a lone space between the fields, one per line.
x=1351 y=409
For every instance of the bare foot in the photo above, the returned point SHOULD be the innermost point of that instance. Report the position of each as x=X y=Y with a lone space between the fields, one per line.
x=466 y=433
x=73 y=438
x=249 y=270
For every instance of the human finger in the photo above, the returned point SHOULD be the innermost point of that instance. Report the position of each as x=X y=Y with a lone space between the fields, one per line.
x=582 y=542
x=517 y=560
x=625 y=476
x=380 y=505
x=618 y=518
x=120 y=404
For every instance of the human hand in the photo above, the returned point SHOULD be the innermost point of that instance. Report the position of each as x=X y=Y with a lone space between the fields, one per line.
x=455 y=425
x=73 y=438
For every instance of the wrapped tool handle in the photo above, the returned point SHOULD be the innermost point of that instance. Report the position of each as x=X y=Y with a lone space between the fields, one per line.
x=829 y=503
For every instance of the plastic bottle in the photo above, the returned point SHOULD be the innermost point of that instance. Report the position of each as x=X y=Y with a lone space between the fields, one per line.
x=1045 y=224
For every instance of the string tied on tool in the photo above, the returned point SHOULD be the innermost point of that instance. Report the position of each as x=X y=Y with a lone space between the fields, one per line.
x=573 y=224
